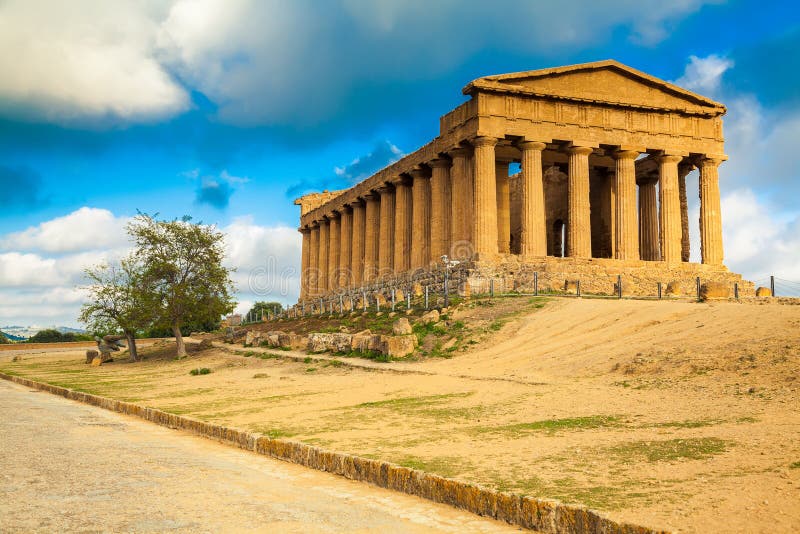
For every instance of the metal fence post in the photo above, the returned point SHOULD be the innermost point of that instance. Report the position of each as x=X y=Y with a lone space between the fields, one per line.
x=364 y=296
x=736 y=290
x=578 y=288
x=659 y=291
x=491 y=288
x=393 y=299
x=772 y=285
x=408 y=299
x=619 y=286
x=536 y=284
x=697 y=283
x=446 y=289
x=426 y=297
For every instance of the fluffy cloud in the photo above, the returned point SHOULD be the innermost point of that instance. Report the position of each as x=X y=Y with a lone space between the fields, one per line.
x=704 y=75
x=273 y=62
x=87 y=59
x=84 y=229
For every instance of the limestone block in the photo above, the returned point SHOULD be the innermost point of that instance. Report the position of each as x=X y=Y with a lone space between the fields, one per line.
x=248 y=340
x=401 y=327
x=417 y=290
x=399 y=295
x=375 y=342
x=97 y=361
x=292 y=341
x=380 y=299
x=464 y=290
x=674 y=289
x=91 y=355
x=715 y=290
x=398 y=346
x=430 y=318
x=760 y=292
x=571 y=287
x=360 y=340
x=273 y=339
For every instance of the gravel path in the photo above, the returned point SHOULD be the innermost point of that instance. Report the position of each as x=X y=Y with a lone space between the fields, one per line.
x=65 y=466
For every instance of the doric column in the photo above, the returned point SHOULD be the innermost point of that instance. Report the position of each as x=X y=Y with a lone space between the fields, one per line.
x=484 y=202
x=421 y=213
x=503 y=192
x=670 y=208
x=440 y=209
x=304 y=263
x=579 y=224
x=710 y=213
x=333 y=251
x=533 y=237
x=402 y=224
x=683 y=170
x=460 y=204
x=649 y=247
x=346 y=247
x=626 y=237
x=324 y=274
x=357 y=251
x=313 y=262
x=371 y=236
x=386 y=238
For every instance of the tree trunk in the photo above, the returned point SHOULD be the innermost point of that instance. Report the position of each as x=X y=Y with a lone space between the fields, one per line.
x=176 y=329
x=132 y=346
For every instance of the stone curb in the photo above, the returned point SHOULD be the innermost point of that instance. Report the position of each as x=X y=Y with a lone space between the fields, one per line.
x=541 y=515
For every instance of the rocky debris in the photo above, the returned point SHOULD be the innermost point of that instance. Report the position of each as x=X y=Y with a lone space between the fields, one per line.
x=334 y=342
x=91 y=355
x=252 y=338
x=233 y=335
x=292 y=341
x=449 y=344
x=204 y=344
x=401 y=327
x=715 y=290
x=360 y=341
x=430 y=317
x=398 y=346
x=763 y=292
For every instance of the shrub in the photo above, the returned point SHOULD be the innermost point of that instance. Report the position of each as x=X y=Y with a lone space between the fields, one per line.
x=200 y=371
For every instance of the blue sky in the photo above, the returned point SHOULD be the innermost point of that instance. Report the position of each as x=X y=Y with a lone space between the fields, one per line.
x=227 y=110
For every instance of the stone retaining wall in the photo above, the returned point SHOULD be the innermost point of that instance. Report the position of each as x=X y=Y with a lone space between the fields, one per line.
x=536 y=514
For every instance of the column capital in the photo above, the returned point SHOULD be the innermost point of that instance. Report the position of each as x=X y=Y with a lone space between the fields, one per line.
x=419 y=173
x=668 y=158
x=383 y=189
x=334 y=214
x=526 y=144
x=483 y=141
x=304 y=230
x=712 y=159
x=580 y=150
x=440 y=162
x=625 y=154
x=458 y=152
x=400 y=180
x=370 y=195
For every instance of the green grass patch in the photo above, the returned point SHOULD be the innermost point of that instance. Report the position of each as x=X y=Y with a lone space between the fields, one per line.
x=794 y=465
x=551 y=426
x=200 y=371
x=446 y=466
x=669 y=450
x=413 y=402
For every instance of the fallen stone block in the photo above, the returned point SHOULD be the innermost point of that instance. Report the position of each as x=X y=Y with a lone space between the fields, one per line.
x=763 y=292
x=714 y=290
x=401 y=327
x=398 y=346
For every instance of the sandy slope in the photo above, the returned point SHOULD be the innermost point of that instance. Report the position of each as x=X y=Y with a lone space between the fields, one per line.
x=672 y=414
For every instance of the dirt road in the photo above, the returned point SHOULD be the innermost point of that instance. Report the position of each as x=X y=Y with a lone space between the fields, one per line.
x=70 y=467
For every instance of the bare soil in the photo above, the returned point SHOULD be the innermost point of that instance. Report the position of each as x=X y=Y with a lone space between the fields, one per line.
x=675 y=415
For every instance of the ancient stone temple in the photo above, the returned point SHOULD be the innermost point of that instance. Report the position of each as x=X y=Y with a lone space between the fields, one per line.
x=604 y=151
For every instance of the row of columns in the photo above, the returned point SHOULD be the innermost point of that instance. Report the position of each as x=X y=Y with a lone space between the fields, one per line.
x=461 y=208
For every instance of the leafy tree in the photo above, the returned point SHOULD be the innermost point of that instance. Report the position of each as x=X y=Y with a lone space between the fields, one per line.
x=117 y=301
x=183 y=272
x=260 y=309
x=50 y=335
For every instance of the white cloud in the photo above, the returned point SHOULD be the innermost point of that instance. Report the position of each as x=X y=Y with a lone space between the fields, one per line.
x=67 y=61
x=84 y=229
x=704 y=75
x=42 y=267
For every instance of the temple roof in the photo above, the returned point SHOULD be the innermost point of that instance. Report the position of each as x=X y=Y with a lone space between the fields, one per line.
x=606 y=82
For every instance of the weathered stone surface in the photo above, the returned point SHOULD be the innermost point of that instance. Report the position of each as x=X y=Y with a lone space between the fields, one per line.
x=97 y=361
x=763 y=292
x=715 y=290
x=292 y=341
x=398 y=346
x=333 y=342
x=360 y=341
x=401 y=327
x=430 y=317
x=91 y=355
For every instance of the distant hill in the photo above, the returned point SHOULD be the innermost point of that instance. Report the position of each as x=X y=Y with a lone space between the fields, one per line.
x=20 y=333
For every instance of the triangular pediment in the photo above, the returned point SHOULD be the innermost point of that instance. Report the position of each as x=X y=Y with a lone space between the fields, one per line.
x=607 y=82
